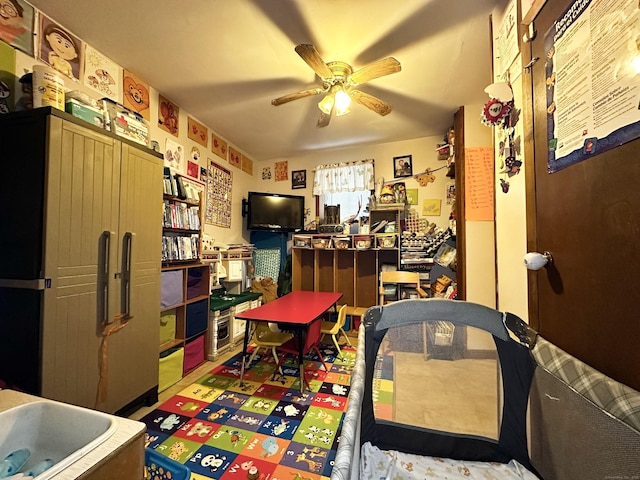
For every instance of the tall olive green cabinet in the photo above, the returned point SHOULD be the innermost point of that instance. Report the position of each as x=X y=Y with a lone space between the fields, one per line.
x=80 y=262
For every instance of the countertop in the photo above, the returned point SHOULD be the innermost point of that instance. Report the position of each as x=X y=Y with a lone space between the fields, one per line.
x=127 y=431
x=223 y=302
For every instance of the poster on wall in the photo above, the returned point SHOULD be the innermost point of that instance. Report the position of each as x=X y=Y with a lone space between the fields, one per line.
x=168 y=115
x=135 y=94
x=197 y=132
x=506 y=41
x=218 y=195
x=101 y=74
x=174 y=157
x=218 y=146
x=7 y=78
x=16 y=25
x=591 y=68
x=59 y=49
x=282 y=171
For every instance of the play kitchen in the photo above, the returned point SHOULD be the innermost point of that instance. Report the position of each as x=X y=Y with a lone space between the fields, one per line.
x=224 y=329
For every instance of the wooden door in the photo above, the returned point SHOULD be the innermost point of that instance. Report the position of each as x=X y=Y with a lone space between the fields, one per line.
x=588 y=216
x=83 y=178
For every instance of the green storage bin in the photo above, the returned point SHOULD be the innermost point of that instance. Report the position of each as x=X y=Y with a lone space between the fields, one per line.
x=171 y=363
x=167 y=326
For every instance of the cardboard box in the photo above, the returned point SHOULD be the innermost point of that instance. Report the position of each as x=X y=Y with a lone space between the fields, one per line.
x=85 y=112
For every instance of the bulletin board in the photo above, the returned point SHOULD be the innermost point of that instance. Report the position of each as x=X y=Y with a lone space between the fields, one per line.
x=219 y=182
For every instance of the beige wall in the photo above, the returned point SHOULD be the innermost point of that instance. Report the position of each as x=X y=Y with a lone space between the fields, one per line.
x=422 y=150
x=480 y=278
x=423 y=155
x=510 y=212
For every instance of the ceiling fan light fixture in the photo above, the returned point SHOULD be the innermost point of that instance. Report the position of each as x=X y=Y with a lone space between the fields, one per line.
x=343 y=100
x=326 y=104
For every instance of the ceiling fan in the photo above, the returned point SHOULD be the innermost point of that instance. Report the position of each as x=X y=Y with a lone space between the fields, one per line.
x=339 y=82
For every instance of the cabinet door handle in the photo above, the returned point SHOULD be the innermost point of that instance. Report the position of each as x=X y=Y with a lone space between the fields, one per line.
x=102 y=286
x=125 y=284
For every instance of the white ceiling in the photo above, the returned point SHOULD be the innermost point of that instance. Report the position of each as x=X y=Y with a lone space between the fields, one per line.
x=223 y=61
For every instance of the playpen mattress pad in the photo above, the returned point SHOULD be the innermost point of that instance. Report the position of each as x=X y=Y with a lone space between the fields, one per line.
x=383 y=464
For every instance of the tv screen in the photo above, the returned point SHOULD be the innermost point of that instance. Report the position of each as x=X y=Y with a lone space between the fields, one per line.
x=272 y=211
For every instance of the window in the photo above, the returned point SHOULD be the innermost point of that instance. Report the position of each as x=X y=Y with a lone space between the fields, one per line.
x=348 y=202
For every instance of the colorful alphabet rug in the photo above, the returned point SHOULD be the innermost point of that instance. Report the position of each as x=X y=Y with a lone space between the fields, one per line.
x=262 y=428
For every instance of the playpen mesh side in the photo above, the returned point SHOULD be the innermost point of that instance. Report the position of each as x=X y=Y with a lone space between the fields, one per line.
x=571 y=436
x=566 y=427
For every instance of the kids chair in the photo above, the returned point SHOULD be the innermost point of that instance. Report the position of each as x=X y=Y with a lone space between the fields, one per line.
x=336 y=328
x=311 y=342
x=400 y=279
x=263 y=337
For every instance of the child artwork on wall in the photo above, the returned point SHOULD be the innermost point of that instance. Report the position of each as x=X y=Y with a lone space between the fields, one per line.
x=247 y=165
x=235 y=157
x=135 y=94
x=174 y=156
x=59 y=48
x=431 y=207
x=168 y=115
x=101 y=74
x=7 y=78
x=16 y=24
x=282 y=171
x=218 y=146
x=197 y=131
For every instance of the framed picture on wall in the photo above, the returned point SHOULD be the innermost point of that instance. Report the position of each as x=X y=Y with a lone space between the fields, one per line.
x=402 y=166
x=299 y=179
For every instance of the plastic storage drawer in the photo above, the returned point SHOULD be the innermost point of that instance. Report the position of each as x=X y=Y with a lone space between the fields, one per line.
x=197 y=314
x=193 y=353
x=170 y=371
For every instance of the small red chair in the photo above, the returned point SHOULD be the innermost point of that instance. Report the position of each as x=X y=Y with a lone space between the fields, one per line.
x=311 y=338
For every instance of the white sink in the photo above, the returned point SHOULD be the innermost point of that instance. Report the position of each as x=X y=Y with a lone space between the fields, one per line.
x=59 y=431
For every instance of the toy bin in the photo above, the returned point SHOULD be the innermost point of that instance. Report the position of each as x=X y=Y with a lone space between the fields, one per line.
x=197 y=315
x=159 y=467
x=171 y=288
x=170 y=371
x=167 y=326
x=193 y=354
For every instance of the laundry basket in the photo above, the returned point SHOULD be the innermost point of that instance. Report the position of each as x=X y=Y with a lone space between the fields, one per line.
x=159 y=467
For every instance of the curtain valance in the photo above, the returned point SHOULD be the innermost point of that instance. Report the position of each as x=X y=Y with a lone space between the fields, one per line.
x=344 y=177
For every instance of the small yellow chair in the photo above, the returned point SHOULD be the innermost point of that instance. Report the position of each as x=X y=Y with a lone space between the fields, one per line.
x=263 y=337
x=336 y=328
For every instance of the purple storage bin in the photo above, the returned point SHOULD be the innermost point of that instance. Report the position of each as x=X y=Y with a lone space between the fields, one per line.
x=171 y=289
x=193 y=353
x=195 y=278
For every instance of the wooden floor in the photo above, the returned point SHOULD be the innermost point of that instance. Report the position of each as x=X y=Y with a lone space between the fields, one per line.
x=187 y=380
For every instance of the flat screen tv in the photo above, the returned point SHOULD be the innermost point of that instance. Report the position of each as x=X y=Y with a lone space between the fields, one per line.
x=274 y=211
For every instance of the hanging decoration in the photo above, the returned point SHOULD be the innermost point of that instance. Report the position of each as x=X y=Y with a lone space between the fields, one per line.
x=500 y=112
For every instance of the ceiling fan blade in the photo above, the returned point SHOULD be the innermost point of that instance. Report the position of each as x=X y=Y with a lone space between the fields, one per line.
x=373 y=103
x=324 y=119
x=378 y=69
x=310 y=55
x=295 y=96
